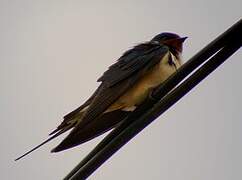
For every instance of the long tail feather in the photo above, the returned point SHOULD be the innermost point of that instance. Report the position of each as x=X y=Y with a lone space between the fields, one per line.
x=46 y=141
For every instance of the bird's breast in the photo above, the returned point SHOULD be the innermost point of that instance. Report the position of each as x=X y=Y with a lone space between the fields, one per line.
x=141 y=89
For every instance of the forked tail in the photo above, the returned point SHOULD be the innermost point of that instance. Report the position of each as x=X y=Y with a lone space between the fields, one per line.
x=49 y=139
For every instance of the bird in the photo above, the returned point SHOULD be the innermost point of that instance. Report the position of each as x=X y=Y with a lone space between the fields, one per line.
x=124 y=86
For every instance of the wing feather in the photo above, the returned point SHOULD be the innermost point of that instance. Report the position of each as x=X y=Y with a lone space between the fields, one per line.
x=116 y=81
x=97 y=127
x=132 y=61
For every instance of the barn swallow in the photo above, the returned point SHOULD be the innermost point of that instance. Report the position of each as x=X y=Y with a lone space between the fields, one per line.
x=124 y=86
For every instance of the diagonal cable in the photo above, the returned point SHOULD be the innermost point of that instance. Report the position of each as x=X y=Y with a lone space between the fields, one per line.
x=98 y=156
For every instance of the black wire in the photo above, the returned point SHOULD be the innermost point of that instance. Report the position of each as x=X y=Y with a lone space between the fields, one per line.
x=156 y=111
x=90 y=163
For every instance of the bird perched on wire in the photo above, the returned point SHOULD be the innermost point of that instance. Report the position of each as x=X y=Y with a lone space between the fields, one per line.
x=124 y=86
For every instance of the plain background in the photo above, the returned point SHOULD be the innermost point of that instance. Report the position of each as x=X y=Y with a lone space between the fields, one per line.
x=52 y=52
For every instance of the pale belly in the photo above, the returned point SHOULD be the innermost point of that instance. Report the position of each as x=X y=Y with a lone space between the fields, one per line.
x=137 y=94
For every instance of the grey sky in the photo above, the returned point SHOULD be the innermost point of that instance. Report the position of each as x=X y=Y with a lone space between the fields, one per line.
x=52 y=52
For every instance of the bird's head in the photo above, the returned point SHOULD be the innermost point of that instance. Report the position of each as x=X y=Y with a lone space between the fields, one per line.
x=171 y=40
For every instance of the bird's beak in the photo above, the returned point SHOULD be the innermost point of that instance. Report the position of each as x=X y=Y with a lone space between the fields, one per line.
x=182 y=39
x=176 y=43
